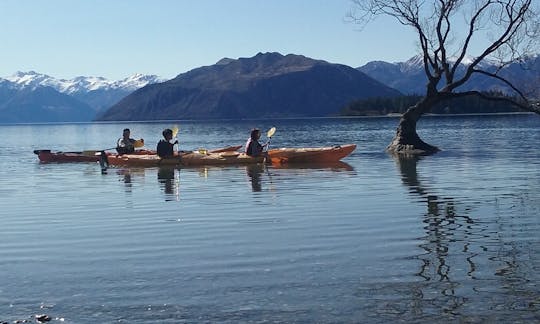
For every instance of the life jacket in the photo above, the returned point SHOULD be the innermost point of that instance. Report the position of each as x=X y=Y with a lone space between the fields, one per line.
x=253 y=148
x=165 y=149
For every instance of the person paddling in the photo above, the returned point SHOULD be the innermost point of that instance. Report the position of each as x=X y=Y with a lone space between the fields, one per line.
x=253 y=147
x=165 y=149
x=126 y=144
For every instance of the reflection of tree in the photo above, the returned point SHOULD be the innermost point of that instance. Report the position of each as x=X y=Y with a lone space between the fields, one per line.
x=457 y=249
x=254 y=171
x=441 y=225
x=167 y=179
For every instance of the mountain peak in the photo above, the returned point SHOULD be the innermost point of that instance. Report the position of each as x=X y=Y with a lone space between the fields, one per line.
x=267 y=85
x=29 y=79
x=225 y=61
x=80 y=84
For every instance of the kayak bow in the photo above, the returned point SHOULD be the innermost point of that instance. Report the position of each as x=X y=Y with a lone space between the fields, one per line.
x=310 y=154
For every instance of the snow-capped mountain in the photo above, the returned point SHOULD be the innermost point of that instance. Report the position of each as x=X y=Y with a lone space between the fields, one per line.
x=81 y=84
x=36 y=97
x=409 y=76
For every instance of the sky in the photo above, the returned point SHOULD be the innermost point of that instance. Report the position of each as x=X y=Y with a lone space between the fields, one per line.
x=116 y=39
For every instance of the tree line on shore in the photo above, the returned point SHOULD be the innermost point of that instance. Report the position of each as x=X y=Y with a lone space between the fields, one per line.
x=378 y=106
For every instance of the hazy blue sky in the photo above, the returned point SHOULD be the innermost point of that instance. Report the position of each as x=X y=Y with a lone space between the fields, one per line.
x=118 y=38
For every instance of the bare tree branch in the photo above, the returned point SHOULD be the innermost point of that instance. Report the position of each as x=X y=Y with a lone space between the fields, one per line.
x=524 y=105
x=502 y=29
x=505 y=81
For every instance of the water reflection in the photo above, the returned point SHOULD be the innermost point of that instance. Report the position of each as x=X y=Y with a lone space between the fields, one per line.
x=254 y=172
x=447 y=234
x=460 y=249
x=169 y=182
x=333 y=166
x=126 y=175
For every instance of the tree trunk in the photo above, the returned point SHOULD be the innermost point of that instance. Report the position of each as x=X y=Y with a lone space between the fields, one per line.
x=406 y=141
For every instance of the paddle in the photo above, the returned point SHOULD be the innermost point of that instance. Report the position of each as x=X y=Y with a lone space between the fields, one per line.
x=269 y=134
x=174 y=133
x=136 y=144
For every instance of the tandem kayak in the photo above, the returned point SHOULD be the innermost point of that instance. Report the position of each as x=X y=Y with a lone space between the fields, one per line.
x=48 y=156
x=310 y=154
x=189 y=158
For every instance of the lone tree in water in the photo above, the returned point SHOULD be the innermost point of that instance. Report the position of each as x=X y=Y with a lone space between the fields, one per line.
x=447 y=31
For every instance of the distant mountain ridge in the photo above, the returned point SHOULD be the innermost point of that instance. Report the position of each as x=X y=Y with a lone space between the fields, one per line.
x=263 y=86
x=409 y=76
x=81 y=83
x=35 y=97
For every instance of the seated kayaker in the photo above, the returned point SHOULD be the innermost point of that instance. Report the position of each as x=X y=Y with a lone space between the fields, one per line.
x=165 y=149
x=253 y=147
x=126 y=145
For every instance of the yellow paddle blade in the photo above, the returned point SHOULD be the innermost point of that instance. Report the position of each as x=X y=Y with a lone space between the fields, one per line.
x=174 y=131
x=139 y=143
x=271 y=132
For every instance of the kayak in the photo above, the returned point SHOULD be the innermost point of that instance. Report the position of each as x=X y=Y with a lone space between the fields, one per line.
x=310 y=154
x=47 y=156
x=185 y=158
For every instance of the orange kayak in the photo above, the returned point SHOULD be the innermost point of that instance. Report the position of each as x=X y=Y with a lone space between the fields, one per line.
x=310 y=154
x=194 y=158
x=47 y=156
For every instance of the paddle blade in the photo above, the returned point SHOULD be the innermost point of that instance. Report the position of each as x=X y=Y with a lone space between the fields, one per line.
x=174 y=131
x=139 y=143
x=271 y=132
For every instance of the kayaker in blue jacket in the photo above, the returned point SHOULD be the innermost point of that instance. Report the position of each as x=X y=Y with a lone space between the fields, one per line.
x=165 y=149
x=253 y=147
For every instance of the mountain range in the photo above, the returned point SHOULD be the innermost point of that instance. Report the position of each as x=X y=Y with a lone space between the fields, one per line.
x=409 y=77
x=263 y=86
x=28 y=97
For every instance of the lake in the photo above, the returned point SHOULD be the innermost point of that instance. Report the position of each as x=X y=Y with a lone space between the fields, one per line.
x=452 y=237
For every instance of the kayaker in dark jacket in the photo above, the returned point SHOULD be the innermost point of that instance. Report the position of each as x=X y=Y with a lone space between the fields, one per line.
x=165 y=149
x=253 y=147
x=126 y=145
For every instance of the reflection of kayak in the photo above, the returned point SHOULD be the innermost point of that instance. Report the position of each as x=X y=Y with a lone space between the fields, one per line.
x=311 y=154
x=194 y=158
x=334 y=166
x=91 y=156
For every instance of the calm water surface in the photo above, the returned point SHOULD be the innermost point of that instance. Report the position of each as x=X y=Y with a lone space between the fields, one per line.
x=452 y=237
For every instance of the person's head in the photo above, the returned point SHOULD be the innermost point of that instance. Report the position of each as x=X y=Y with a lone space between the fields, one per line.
x=255 y=133
x=167 y=134
x=126 y=133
